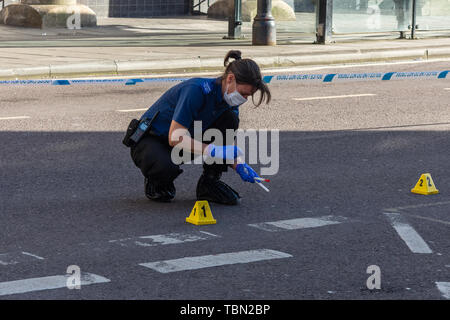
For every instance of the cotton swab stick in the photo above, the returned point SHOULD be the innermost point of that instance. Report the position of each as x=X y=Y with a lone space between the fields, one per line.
x=262 y=186
x=258 y=180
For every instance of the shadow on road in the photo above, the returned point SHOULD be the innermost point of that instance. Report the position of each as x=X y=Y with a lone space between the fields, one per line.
x=64 y=183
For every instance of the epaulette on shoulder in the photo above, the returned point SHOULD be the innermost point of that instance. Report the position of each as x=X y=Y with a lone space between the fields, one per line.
x=206 y=86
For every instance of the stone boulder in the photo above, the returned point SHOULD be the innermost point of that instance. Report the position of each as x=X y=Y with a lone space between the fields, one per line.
x=55 y=2
x=222 y=9
x=21 y=15
x=55 y=16
x=47 y=14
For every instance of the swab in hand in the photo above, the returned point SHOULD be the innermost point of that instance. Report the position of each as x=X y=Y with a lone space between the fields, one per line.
x=258 y=180
x=262 y=186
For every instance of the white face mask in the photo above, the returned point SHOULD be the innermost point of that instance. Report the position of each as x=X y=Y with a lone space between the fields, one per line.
x=234 y=98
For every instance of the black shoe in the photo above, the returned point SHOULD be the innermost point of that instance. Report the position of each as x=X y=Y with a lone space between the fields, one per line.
x=210 y=188
x=159 y=192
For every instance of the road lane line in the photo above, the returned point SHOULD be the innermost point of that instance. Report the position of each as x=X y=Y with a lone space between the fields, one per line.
x=46 y=283
x=32 y=255
x=132 y=110
x=446 y=88
x=17 y=257
x=428 y=218
x=299 y=223
x=336 y=97
x=165 y=239
x=423 y=205
x=410 y=236
x=209 y=261
x=15 y=118
x=444 y=288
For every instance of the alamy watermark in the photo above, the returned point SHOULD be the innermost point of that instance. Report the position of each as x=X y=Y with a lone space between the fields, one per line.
x=374 y=281
x=73 y=22
x=258 y=142
x=74 y=278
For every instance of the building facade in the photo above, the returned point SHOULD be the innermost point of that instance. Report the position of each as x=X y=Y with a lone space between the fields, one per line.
x=138 y=8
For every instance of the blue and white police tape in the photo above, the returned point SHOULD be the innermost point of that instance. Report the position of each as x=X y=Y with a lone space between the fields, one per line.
x=334 y=77
x=325 y=77
x=61 y=82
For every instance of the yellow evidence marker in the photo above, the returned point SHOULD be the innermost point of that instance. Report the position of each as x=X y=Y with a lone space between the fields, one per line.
x=425 y=185
x=201 y=214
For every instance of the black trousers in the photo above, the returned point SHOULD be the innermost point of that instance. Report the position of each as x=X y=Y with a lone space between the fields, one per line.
x=153 y=154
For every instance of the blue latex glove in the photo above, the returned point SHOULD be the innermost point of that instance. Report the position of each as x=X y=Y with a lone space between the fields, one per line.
x=246 y=172
x=223 y=152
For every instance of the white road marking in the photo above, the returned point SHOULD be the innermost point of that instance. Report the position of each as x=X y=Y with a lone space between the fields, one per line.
x=17 y=257
x=200 y=262
x=444 y=288
x=15 y=118
x=32 y=255
x=46 y=283
x=299 y=223
x=336 y=97
x=423 y=205
x=446 y=88
x=165 y=239
x=132 y=110
x=410 y=236
x=428 y=218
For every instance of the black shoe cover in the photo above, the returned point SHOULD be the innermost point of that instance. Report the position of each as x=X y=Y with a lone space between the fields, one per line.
x=210 y=188
x=159 y=192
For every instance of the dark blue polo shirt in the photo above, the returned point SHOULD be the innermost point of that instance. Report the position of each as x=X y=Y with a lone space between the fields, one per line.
x=197 y=99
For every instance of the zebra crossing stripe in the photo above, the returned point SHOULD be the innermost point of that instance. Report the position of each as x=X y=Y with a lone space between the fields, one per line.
x=299 y=223
x=165 y=239
x=407 y=233
x=444 y=288
x=46 y=283
x=17 y=257
x=209 y=261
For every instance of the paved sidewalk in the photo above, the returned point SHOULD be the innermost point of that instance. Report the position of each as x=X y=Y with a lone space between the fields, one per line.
x=188 y=44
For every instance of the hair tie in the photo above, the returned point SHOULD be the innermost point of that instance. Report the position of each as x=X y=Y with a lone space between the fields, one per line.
x=259 y=83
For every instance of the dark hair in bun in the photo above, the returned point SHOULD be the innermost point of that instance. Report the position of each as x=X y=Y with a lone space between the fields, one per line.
x=246 y=71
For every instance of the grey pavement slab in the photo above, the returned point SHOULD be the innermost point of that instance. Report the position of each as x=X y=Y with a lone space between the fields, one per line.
x=161 y=46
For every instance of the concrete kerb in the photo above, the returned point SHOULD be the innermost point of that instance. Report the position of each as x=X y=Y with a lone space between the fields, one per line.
x=101 y=67
x=124 y=67
x=21 y=73
x=213 y=64
x=434 y=53
x=345 y=56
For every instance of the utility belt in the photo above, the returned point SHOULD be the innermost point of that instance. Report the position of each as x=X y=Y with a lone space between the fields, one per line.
x=137 y=130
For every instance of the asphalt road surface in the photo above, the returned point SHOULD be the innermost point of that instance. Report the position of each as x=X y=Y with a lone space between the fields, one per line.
x=339 y=205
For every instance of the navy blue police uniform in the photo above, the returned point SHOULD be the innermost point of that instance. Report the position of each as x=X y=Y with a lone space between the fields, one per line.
x=197 y=99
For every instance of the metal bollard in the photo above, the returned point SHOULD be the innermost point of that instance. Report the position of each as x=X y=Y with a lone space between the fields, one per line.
x=324 y=21
x=235 y=21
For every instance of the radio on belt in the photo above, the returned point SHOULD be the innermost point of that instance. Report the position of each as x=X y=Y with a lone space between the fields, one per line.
x=143 y=127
